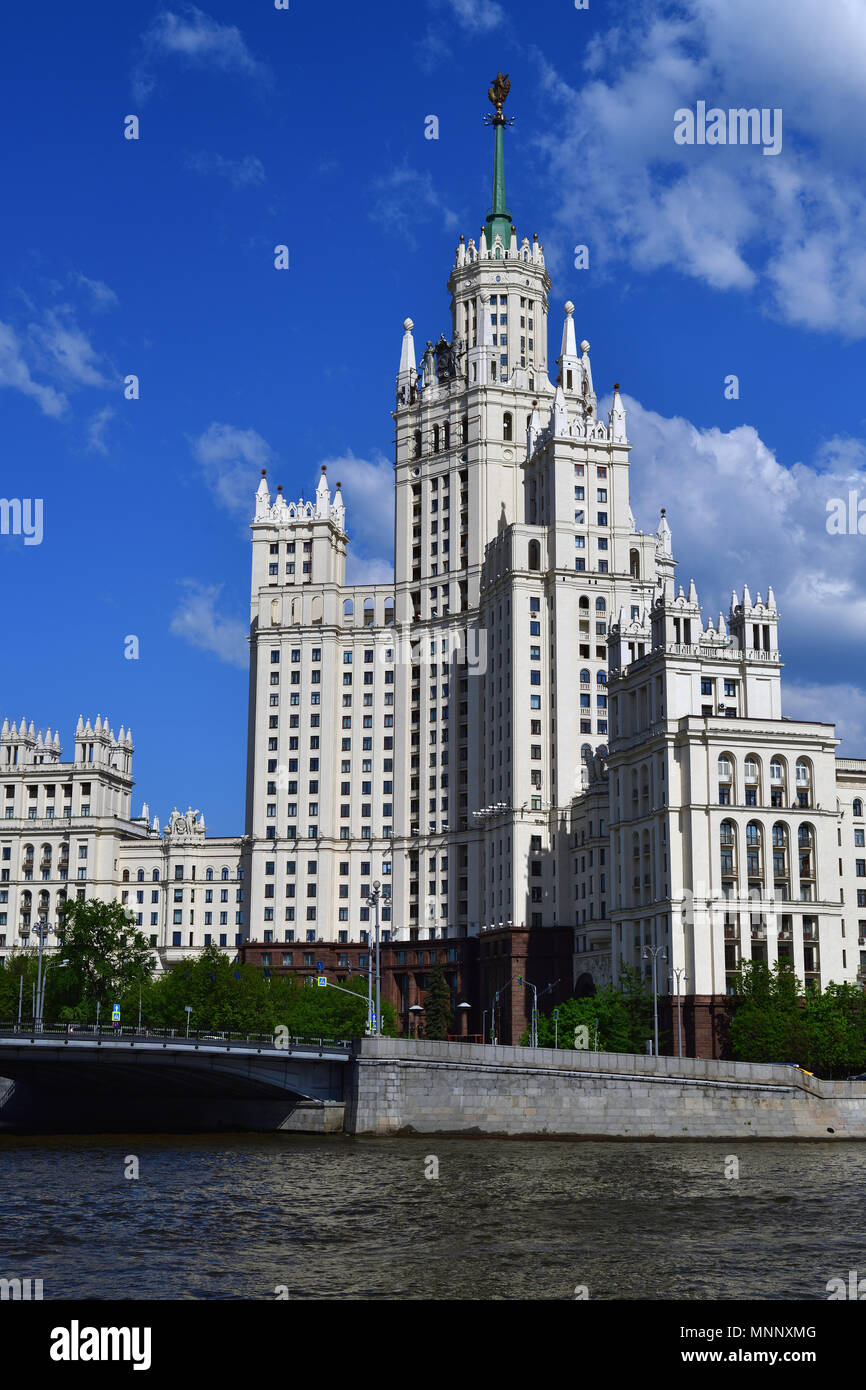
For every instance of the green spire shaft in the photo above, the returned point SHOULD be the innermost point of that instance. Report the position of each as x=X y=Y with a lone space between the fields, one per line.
x=499 y=217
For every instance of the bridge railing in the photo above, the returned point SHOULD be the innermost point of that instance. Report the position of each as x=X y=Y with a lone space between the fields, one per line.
x=179 y=1036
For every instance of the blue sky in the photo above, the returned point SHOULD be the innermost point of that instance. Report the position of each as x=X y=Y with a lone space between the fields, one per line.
x=306 y=127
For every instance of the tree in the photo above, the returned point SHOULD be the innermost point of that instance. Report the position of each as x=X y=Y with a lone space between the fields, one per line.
x=622 y=1013
x=775 y=1020
x=438 y=1010
x=19 y=964
x=108 y=959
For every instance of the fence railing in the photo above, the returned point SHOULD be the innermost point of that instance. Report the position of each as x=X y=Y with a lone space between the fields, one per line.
x=107 y=1033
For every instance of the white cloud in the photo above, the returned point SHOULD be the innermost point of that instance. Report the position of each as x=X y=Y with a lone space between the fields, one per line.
x=844 y=705
x=241 y=173
x=198 y=622
x=360 y=571
x=702 y=477
x=477 y=16
x=404 y=195
x=102 y=295
x=368 y=495
x=96 y=428
x=232 y=460
x=66 y=349
x=790 y=229
x=15 y=374
x=197 y=39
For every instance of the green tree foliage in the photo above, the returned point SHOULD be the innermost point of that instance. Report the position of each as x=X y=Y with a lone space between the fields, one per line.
x=623 y=1014
x=438 y=1010
x=774 y=1020
x=18 y=964
x=108 y=958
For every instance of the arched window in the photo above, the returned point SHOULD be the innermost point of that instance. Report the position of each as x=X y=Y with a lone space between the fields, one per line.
x=125 y=878
x=446 y=435
x=389 y=610
x=585 y=751
x=727 y=795
x=728 y=843
x=369 y=612
x=601 y=678
x=435 y=439
x=778 y=782
x=419 y=443
x=781 y=863
x=600 y=605
x=754 y=853
x=534 y=555
x=349 y=608
x=634 y=564
x=208 y=873
x=806 y=856
x=464 y=430
x=858 y=807
x=317 y=609
x=507 y=425
x=583 y=602
x=804 y=782
x=155 y=876
x=224 y=873
x=752 y=780
x=585 y=677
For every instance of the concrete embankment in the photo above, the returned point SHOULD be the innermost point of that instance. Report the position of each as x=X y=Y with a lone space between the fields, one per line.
x=405 y=1086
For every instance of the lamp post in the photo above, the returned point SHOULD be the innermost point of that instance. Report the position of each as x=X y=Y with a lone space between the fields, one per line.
x=40 y=1002
x=463 y=1015
x=653 y=952
x=373 y=900
x=42 y=930
x=533 y=1026
x=415 y=1009
x=678 y=973
x=187 y=1008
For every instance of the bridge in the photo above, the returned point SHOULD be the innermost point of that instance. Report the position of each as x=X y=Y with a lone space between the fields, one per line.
x=80 y=1078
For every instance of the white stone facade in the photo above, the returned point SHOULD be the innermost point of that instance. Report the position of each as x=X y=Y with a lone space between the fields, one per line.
x=474 y=735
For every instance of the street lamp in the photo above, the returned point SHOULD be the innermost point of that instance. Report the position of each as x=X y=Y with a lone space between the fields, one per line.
x=42 y=930
x=463 y=1012
x=654 y=952
x=415 y=1009
x=373 y=899
x=679 y=973
x=187 y=1008
x=49 y=965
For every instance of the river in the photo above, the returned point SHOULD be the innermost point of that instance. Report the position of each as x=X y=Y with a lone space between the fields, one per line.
x=249 y=1216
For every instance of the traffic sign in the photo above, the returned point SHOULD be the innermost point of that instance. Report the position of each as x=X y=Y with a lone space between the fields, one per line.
x=115 y=1013
x=321 y=980
x=556 y=1013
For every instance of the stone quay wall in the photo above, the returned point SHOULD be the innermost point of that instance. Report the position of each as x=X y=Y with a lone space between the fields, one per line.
x=403 y=1086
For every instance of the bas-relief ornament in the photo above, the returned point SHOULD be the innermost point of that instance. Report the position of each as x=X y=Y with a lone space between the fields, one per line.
x=184 y=827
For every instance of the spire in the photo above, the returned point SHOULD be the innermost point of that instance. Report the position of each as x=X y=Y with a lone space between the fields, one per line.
x=323 y=495
x=499 y=217
x=616 y=420
x=569 y=342
x=263 y=497
x=407 y=353
x=570 y=369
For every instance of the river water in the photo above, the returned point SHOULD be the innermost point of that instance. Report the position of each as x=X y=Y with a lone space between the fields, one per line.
x=243 y=1216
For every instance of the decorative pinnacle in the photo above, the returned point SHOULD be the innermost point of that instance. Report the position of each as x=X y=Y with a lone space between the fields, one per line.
x=497 y=93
